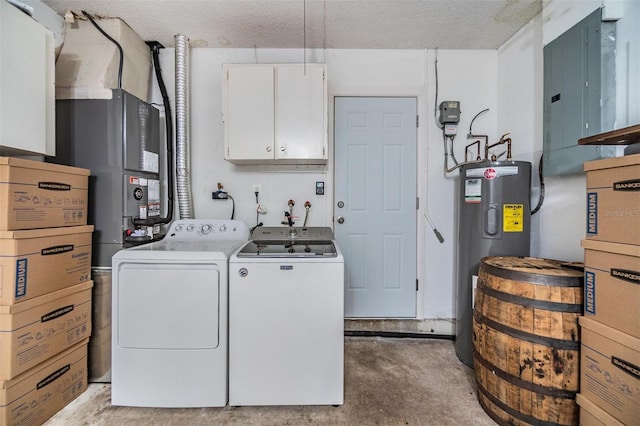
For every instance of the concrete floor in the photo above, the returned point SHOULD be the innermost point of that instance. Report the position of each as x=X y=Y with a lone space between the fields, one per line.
x=388 y=381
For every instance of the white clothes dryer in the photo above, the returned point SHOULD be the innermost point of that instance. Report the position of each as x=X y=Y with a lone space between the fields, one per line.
x=169 y=316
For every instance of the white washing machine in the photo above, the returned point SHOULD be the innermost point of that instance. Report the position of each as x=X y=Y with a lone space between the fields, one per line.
x=286 y=319
x=169 y=317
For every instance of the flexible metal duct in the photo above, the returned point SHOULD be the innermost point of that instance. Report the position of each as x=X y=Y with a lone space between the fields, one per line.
x=183 y=181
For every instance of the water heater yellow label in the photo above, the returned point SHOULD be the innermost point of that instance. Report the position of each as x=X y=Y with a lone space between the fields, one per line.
x=513 y=217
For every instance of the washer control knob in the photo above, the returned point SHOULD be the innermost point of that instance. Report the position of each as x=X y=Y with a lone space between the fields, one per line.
x=178 y=228
x=190 y=228
x=205 y=229
x=223 y=228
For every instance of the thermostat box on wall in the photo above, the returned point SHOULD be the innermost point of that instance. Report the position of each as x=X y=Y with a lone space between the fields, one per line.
x=612 y=285
x=613 y=199
x=37 y=394
x=40 y=261
x=34 y=194
x=34 y=331
x=610 y=370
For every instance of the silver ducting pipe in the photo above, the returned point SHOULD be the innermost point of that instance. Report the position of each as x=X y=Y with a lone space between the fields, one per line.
x=183 y=180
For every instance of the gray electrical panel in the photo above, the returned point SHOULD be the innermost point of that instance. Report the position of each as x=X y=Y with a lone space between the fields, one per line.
x=118 y=139
x=579 y=75
x=449 y=112
x=494 y=219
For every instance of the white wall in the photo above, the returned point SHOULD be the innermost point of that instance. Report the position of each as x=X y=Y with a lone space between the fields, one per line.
x=463 y=77
x=471 y=78
x=560 y=225
x=560 y=15
x=520 y=80
x=207 y=168
x=628 y=65
x=507 y=81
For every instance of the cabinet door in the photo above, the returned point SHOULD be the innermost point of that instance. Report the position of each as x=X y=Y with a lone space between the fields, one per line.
x=248 y=112
x=301 y=111
x=27 y=87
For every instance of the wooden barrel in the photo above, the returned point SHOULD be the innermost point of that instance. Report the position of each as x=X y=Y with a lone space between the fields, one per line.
x=526 y=344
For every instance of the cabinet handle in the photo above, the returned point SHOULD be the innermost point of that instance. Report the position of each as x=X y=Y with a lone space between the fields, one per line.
x=268 y=149
x=282 y=148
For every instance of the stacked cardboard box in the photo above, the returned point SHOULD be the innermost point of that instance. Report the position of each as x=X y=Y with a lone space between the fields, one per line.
x=610 y=328
x=45 y=288
x=100 y=343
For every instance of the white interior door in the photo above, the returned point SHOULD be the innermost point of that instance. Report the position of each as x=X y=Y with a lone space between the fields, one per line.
x=375 y=204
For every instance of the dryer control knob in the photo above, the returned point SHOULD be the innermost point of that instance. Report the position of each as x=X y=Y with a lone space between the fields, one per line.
x=190 y=228
x=223 y=228
x=178 y=228
x=205 y=229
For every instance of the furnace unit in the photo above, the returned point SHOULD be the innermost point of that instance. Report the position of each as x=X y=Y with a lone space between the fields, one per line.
x=118 y=139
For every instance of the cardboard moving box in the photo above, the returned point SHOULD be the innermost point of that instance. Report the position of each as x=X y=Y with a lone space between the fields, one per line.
x=87 y=67
x=101 y=298
x=592 y=415
x=35 y=330
x=99 y=354
x=34 y=194
x=40 y=261
x=37 y=394
x=612 y=285
x=610 y=370
x=613 y=199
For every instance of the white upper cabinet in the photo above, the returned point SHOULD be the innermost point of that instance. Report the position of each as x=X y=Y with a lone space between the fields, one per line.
x=275 y=113
x=27 y=86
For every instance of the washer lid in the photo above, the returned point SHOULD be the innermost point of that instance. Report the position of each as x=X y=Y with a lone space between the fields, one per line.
x=288 y=249
x=292 y=233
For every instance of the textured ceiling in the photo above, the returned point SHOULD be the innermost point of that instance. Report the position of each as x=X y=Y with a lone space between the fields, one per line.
x=340 y=24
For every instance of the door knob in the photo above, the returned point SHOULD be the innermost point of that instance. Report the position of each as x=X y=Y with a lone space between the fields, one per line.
x=340 y=219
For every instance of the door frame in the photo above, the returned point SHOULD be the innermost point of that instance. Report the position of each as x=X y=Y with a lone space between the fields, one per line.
x=420 y=94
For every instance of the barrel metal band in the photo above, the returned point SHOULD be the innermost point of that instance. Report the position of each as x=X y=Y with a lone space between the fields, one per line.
x=526 y=277
x=514 y=413
x=523 y=384
x=571 y=308
x=527 y=337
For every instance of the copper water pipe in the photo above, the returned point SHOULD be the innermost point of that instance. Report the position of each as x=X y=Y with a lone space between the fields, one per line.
x=466 y=150
x=502 y=140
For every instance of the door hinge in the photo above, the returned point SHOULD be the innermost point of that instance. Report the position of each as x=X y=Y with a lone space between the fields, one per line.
x=416 y=284
x=417 y=121
x=417 y=203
